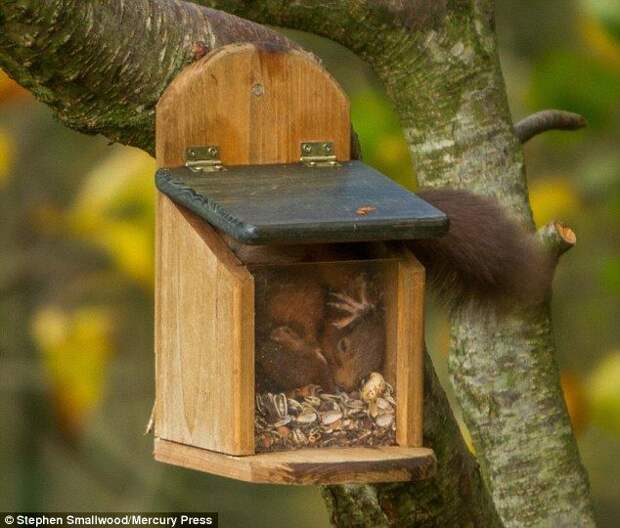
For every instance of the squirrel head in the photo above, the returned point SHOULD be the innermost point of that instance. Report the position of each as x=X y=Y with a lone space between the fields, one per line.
x=359 y=351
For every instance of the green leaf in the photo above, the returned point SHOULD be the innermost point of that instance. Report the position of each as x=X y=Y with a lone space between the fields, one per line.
x=576 y=83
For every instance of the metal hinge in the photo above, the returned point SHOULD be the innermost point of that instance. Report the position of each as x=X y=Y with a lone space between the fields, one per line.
x=203 y=159
x=318 y=154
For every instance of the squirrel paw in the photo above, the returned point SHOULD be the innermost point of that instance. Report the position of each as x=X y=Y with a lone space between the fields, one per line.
x=355 y=308
x=286 y=336
x=293 y=342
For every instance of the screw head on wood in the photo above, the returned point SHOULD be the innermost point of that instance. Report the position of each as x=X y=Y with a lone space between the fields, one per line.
x=258 y=89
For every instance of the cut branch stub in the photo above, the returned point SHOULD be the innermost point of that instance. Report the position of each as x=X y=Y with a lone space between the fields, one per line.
x=557 y=237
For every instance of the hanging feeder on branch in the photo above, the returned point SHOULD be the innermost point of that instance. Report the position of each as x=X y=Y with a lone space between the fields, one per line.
x=289 y=316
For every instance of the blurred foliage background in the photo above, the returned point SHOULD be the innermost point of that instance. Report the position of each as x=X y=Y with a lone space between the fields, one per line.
x=76 y=279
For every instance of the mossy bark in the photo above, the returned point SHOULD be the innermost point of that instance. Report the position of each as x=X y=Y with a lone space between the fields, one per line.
x=102 y=66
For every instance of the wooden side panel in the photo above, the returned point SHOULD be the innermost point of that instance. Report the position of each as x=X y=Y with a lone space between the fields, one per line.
x=390 y=299
x=256 y=104
x=352 y=465
x=410 y=351
x=204 y=337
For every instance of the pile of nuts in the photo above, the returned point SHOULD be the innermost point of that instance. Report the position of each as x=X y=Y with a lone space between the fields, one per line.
x=309 y=417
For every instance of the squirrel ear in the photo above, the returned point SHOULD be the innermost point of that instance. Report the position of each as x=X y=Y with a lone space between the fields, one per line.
x=283 y=334
x=343 y=345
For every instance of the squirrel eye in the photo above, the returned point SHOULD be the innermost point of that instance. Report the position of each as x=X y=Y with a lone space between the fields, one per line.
x=343 y=345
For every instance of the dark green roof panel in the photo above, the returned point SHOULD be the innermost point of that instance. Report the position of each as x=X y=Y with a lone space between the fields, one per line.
x=271 y=204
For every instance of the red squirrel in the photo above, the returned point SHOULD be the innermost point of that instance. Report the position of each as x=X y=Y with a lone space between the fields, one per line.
x=329 y=328
x=354 y=335
x=290 y=309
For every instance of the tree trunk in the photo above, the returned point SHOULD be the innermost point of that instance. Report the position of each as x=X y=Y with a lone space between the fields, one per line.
x=102 y=66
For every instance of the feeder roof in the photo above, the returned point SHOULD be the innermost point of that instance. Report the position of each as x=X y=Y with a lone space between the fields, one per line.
x=294 y=203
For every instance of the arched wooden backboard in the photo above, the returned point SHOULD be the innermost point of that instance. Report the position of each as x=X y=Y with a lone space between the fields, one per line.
x=258 y=104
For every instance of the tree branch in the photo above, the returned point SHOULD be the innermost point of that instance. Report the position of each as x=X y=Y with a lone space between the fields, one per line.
x=540 y=122
x=102 y=67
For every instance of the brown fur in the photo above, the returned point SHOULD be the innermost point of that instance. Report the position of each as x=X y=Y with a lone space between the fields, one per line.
x=485 y=258
x=357 y=349
x=355 y=352
x=289 y=361
x=298 y=302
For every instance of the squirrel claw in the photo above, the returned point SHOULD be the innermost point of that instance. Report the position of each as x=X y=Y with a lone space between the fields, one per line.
x=348 y=304
x=353 y=307
x=344 y=322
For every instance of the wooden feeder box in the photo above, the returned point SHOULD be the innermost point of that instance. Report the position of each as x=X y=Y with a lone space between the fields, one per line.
x=280 y=262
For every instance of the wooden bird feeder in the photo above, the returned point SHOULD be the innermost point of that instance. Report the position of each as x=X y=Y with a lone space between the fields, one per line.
x=289 y=316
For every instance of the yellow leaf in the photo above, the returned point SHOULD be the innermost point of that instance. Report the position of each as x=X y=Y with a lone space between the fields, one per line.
x=575 y=398
x=10 y=90
x=553 y=199
x=605 y=45
x=125 y=175
x=115 y=211
x=604 y=393
x=6 y=157
x=131 y=248
x=76 y=347
x=392 y=149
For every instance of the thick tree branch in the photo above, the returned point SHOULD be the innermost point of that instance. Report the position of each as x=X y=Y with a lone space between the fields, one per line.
x=545 y=120
x=102 y=66
x=439 y=63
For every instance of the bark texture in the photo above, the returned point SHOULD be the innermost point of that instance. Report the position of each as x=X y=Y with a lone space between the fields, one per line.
x=546 y=120
x=102 y=65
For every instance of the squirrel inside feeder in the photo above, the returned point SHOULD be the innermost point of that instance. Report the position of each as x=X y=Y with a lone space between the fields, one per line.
x=329 y=330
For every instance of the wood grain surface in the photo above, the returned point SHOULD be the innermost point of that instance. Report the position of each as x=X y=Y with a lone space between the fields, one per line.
x=257 y=104
x=410 y=351
x=204 y=336
x=353 y=465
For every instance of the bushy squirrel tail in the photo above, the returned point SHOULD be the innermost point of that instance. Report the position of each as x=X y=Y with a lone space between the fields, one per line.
x=485 y=258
